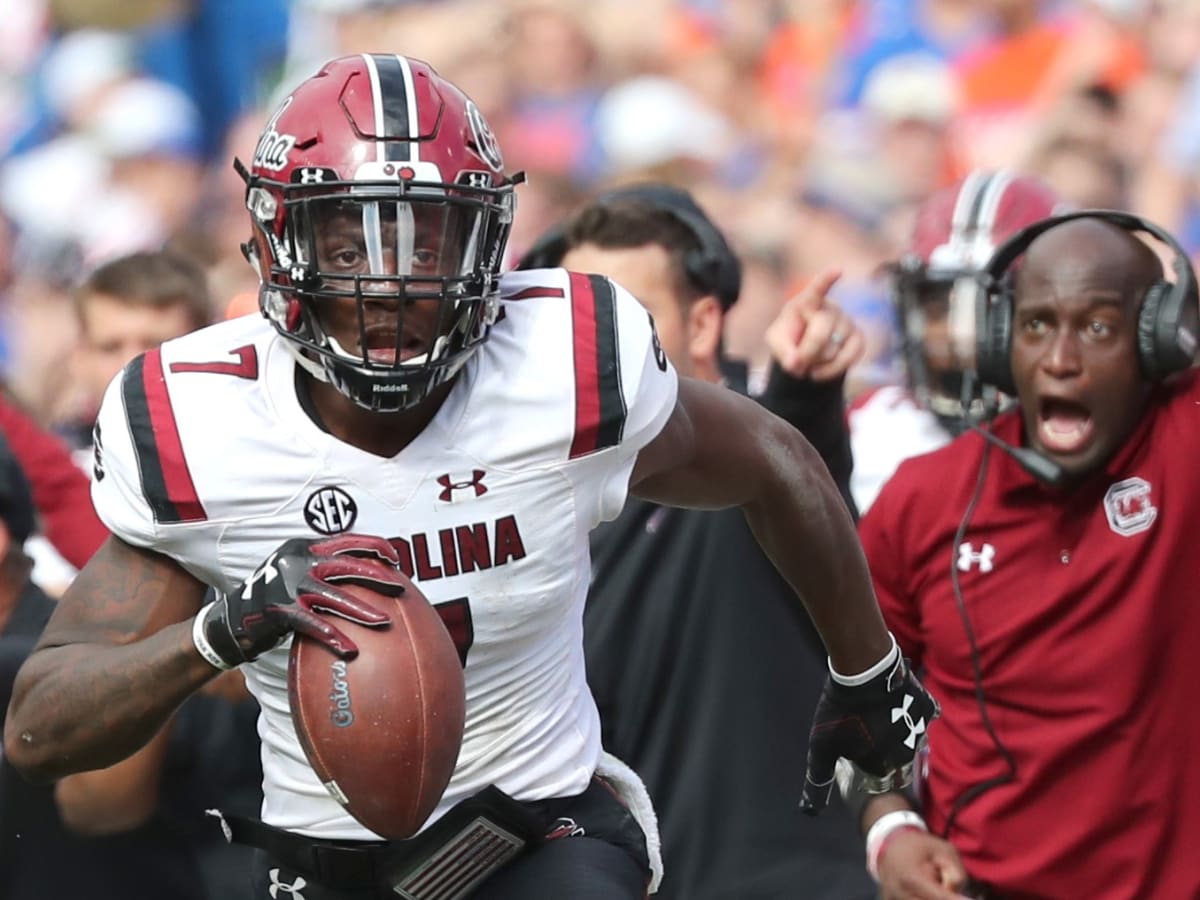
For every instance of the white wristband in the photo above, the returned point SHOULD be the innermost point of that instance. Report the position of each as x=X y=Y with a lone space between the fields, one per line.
x=201 y=641
x=879 y=668
x=883 y=828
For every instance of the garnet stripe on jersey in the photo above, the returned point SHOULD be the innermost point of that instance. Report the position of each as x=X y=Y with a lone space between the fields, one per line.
x=537 y=291
x=166 y=481
x=599 y=404
x=393 y=91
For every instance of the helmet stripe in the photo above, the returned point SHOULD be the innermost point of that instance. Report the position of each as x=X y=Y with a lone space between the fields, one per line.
x=964 y=207
x=989 y=205
x=395 y=113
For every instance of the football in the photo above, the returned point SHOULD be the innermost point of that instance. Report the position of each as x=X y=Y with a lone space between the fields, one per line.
x=383 y=730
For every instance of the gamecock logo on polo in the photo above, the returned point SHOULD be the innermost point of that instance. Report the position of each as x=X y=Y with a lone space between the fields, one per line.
x=1129 y=506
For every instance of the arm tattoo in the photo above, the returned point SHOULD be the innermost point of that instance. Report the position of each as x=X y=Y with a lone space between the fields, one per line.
x=115 y=661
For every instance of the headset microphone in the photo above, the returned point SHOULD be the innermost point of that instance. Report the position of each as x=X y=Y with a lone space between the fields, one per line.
x=1031 y=461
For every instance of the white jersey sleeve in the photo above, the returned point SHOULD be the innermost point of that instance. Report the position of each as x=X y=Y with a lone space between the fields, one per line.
x=152 y=438
x=116 y=482
x=625 y=392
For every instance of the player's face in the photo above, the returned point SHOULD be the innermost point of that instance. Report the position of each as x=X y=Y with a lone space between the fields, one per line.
x=933 y=298
x=394 y=256
x=1074 y=354
x=645 y=272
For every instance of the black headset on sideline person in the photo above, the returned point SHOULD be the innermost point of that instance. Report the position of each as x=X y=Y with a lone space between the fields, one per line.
x=1167 y=324
x=1168 y=317
x=712 y=266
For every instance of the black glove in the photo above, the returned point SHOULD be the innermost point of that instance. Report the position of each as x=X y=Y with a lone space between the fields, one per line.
x=280 y=596
x=877 y=726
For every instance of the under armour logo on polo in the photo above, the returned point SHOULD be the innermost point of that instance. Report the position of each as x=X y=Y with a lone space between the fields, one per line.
x=449 y=487
x=282 y=887
x=915 y=729
x=967 y=557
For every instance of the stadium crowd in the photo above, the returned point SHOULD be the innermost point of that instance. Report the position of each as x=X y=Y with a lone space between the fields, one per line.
x=812 y=133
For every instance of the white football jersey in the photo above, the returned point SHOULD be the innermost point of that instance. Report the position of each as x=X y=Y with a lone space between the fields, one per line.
x=207 y=457
x=887 y=426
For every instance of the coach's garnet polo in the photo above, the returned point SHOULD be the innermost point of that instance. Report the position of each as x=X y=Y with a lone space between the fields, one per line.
x=1086 y=611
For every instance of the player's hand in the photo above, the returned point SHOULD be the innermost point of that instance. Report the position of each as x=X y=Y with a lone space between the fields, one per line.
x=878 y=726
x=299 y=577
x=915 y=865
x=813 y=337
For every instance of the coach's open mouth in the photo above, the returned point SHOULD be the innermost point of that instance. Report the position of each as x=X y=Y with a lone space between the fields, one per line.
x=1064 y=426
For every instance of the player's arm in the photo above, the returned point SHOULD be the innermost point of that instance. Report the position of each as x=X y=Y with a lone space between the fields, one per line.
x=114 y=662
x=126 y=645
x=720 y=449
x=116 y=799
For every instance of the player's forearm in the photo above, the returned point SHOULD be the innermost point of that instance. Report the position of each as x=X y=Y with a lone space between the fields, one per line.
x=117 y=798
x=806 y=529
x=86 y=706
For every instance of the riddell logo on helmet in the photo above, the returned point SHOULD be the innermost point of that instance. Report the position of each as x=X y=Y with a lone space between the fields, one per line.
x=389 y=388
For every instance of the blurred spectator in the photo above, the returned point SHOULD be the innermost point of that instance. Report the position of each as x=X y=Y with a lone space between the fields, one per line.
x=941 y=29
x=1084 y=173
x=1034 y=55
x=650 y=121
x=69 y=531
x=151 y=134
x=556 y=87
x=75 y=73
x=223 y=54
x=125 y=307
x=909 y=103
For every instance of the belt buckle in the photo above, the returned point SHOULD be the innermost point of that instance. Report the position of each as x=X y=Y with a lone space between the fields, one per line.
x=458 y=865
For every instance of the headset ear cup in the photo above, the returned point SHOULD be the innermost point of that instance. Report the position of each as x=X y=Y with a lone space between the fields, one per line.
x=1152 y=308
x=1166 y=331
x=993 y=345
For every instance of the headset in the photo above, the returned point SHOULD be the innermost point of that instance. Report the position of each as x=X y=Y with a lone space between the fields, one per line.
x=711 y=266
x=1168 y=318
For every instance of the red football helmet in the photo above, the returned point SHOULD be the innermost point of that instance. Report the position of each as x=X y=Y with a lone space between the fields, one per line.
x=379 y=184
x=935 y=285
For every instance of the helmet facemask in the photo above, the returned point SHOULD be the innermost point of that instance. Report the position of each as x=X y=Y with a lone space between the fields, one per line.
x=935 y=360
x=385 y=288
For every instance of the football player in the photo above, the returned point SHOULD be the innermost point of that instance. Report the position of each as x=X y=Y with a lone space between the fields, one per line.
x=953 y=236
x=404 y=407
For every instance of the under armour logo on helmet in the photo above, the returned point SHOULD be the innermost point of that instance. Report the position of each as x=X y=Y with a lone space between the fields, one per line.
x=449 y=487
x=278 y=887
x=915 y=729
x=967 y=557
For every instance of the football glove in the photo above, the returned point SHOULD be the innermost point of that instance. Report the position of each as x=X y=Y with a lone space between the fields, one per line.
x=280 y=597
x=878 y=726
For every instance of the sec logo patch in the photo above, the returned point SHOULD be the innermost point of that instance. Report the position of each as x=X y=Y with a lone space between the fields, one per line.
x=330 y=510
